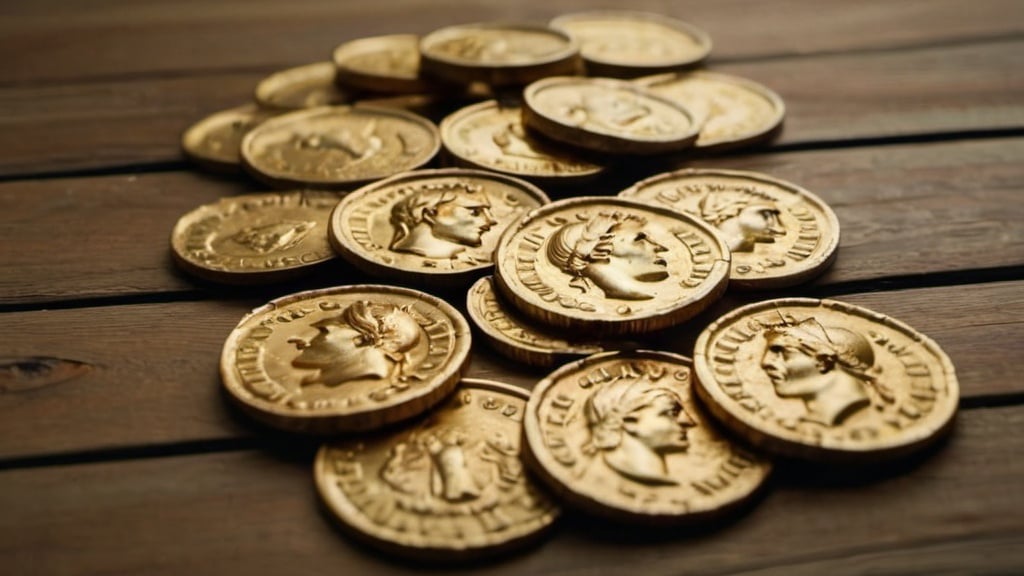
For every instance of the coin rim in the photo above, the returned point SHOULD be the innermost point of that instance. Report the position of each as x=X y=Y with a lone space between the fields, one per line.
x=270 y=84
x=201 y=128
x=396 y=84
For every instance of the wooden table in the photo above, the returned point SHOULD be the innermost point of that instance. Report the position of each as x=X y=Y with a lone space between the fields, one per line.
x=118 y=453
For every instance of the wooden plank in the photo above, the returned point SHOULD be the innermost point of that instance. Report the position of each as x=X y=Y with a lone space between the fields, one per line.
x=168 y=36
x=947 y=207
x=961 y=510
x=122 y=376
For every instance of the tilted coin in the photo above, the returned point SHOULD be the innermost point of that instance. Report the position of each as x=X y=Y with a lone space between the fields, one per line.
x=381 y=64
x=779 y=234
x=610 y=265
x=344 y=359
x=735 y=111
x=822 y=379
x=489 y=135
x=306 y=86
x=339 y=146
x=626 y=44
x=450 y=485
x=437 y=226
x=255 y=238
x=214 y=141
x=498 y=54
x=606 y=115
x=621 y=434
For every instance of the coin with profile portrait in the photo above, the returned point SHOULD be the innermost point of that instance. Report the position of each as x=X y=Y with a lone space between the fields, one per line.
x=430 y=226
x=621 y=434
x=825 y=380
x=344 y=359
x=449 y=485
x=306 y=86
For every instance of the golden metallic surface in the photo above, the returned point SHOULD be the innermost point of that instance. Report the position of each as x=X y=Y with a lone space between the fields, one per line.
x=449 y=486
x=779 y=233
x=432 y=226
x=499 y=54
x=735 y=111
x=306 y=86
x=625 y=44
x=606 y=115
x=255 y=238
x=214 y=141
x=388 y=64
x=491 y=136
x=610 y=265
x=331 y=147
x=347 y=358
x=825 y=380
x=621 y=434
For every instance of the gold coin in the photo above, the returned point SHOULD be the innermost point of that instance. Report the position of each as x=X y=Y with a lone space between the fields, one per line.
x=515 y=337
x=437 y=226
x=450 y=486
x=606 y=115
x=491 y=136
x=301 y=87
x=331 y=147
x=779 y=234
x=498 y=54
x=624 y=44
x=346 y=358
x=821 y=379
x=621 y=434
x=735 y=111
x=255 y=238
x=610 y=265
x=214 y=141
x=381 y=64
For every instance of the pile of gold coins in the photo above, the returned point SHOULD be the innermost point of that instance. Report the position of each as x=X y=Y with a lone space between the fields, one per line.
x=424 y=463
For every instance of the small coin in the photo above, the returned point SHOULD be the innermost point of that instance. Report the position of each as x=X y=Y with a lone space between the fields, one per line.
x=779 y=234
x=388 y=64
x=331 y=147
x=347 y=358
x=734 y=111
x=434 y=226
x=621 y=434
x=624 y=44
x=610 y=265
x=606 y=115
x=498 y=54
x=306 y=86
x=214 y=141
x=450 y=486
x=826 y=380
x=255 y=238
x=491 y=136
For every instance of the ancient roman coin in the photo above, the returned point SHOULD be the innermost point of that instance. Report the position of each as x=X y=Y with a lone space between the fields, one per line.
x=388 y=64
x=255 y=238
x=448 y=486
x=606 y=115
x=214 y=141
x=624 y=44
x=497 y=54
x=779 y=234
x=621 y=434
x=734 y=111
x=822 y=379
x=305 y=86
x=331 y=147
x=610 y=266
x=491 y=136
x=433 y=226
x=346 y=358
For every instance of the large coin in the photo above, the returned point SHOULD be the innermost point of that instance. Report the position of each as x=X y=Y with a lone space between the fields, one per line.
x=448 y=486
x=438 y=226
x=255 y=238
x=346 y=358
x=821 y=379
x=214 y=141
x=625 y=44
x=621 y=434
x=610 y=265
x=779 y=234
x=381 y=64
x=340 y=146
x=606 y=115
x=306 y=86
x=735 y=111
